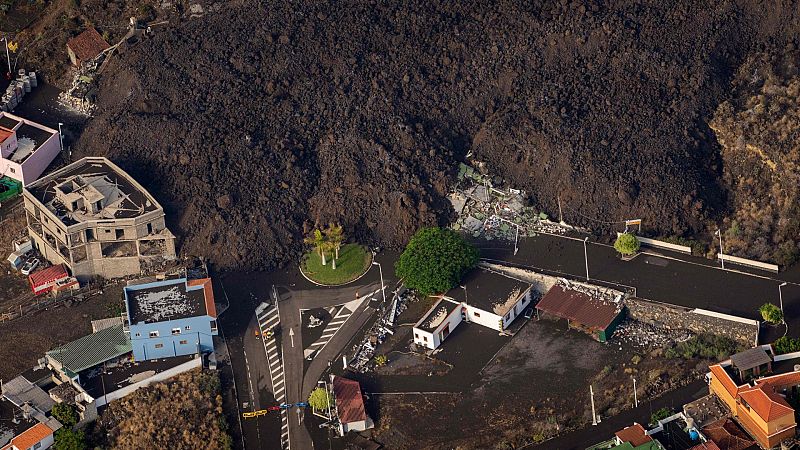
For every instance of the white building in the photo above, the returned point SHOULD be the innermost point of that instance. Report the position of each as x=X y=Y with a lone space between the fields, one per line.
x=486 y=298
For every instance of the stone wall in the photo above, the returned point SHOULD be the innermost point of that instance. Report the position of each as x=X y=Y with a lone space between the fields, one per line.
x=744 y=331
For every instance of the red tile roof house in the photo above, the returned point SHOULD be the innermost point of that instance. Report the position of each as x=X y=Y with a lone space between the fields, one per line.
x=596 y=316
x=86 y=47
x=350 y=406
x=26 y=148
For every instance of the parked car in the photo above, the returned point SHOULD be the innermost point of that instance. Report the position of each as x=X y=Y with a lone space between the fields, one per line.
x=529 y=313
x=29 y=266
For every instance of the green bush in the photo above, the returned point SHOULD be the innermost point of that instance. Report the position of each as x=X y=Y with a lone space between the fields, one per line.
x=626 y=244
x=68 y=439
x=706 y=346
x=435 y=260
x=320 y=399
x=381 y=360
x=771 y=313
x=661 y=414
x=66 y=414
x=785 y=344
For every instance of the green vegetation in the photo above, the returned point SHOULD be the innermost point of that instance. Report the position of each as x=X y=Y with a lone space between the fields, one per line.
x=785 y=344
x=661 y=414
x=68 y=439
x=320 y=399
x=626 y=244
x=66 y=414
x=771 y=313
x=703 y=346
x=353 y=260
x=435 y=260
x=381 y=360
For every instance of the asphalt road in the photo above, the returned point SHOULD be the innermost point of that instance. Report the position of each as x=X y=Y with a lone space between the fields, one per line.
x=659 y=275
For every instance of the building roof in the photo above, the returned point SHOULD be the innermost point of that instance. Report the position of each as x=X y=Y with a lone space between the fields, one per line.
x=724 y=377
x=766 y=403
x=30 y=437
x=9 y=121
x=489 y=291
x=90 y=180
x=92 y=349
x=20 y=391
x=437 y=314
x=635 y=434
x=349 y=402
x=50 y=274
x=87 y=45
x=5 y=133
x=750 y=358
x=593 y=313
x=102 y=324
x=707 y=445
x=728 y=435
x=169 y=300
x=14 y=421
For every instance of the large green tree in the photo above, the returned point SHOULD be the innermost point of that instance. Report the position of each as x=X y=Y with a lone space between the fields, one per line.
x=435 y=260
x=320 y=399
x=68 y=439
x=65 y=413
x=626 y=244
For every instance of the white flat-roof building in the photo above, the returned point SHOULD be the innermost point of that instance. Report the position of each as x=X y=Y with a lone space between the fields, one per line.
x=26 y=148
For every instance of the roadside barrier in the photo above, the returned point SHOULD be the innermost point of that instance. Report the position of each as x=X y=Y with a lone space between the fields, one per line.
x=749 y=262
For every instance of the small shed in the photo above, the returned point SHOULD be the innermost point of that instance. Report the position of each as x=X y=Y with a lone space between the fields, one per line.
x=45 y=280
x=86 y=46
x=752 y=359
x=350 y=406
x=596 y=316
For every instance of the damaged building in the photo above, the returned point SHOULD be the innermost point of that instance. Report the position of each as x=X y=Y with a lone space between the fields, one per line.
x=97 y=220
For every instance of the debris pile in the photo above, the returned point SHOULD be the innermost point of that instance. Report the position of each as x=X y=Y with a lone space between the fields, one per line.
x=17 y=89
x=81 y=94
x=645 y=336
x=494 y=213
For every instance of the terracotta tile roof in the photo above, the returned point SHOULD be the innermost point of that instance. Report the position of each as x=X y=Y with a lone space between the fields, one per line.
x=726 y=380
x=765 y=402
x=5 y=133
x=727 y=435
x=579 y=307
x=781 y=381
x=708 y=445
x=635 y=434
x=30 y=437
x=349 y=403
x=88 y=44
x=208 y=293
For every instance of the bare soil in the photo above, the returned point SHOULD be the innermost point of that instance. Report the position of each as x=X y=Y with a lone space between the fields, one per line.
x=14 y=287
x=25 y=340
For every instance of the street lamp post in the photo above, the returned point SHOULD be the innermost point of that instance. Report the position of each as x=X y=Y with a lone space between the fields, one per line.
x=8 y=57
x=586 y=257
x=635 y=397
x=380 y=270
x=516 y=240
x=721 y=253
x=780 y=295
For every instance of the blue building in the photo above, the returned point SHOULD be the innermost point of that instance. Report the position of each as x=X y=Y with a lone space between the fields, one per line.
x=170 y=318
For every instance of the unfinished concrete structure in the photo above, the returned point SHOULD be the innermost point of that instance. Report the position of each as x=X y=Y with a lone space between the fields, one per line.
x=97 y=220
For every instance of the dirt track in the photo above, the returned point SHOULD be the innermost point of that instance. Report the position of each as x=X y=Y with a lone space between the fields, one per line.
x=256 y=121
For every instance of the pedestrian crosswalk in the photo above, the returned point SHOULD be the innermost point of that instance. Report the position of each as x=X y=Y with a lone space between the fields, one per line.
x=341 y=316
x=269 y=319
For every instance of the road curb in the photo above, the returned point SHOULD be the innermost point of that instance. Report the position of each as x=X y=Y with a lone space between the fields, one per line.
x=369 y=266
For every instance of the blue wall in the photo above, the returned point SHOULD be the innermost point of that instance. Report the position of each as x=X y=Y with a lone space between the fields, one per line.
x=198 y=338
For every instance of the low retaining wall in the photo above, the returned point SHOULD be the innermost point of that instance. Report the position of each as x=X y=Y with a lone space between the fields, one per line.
x=786 y=356
x=744 y=331
x=661 y=244
x=161 y=376
x=749 y=263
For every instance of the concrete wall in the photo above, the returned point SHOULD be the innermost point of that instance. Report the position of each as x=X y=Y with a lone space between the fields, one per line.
x=485 y=318
x=39 y=160
x=744 y=331
x=169 y=373
x=431 y=342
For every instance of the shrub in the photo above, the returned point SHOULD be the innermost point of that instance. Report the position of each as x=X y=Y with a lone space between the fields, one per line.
x=626 y=244
x=68 y=439
x=381 y=360
x=706 y=346
x=435 y=260
x=661 y=414
x=785 y=344
x=320 y=399
x=66 y=414
x=771 y=313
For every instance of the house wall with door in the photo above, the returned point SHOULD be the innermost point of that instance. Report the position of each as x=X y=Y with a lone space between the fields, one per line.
x=432 y=339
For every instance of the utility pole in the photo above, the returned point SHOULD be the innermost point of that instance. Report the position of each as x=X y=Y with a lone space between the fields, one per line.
x=516 y=240
x=721 y=253
x=8 y=57
x=383 y=289
x=560 y=216
x=635 y=397
x=586 y=257
x=591 y=395
x=61 y=137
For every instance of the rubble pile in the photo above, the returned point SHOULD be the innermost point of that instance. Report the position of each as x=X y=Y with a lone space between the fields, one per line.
x=493 y=213
x=645 y=336
x=80 y=96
